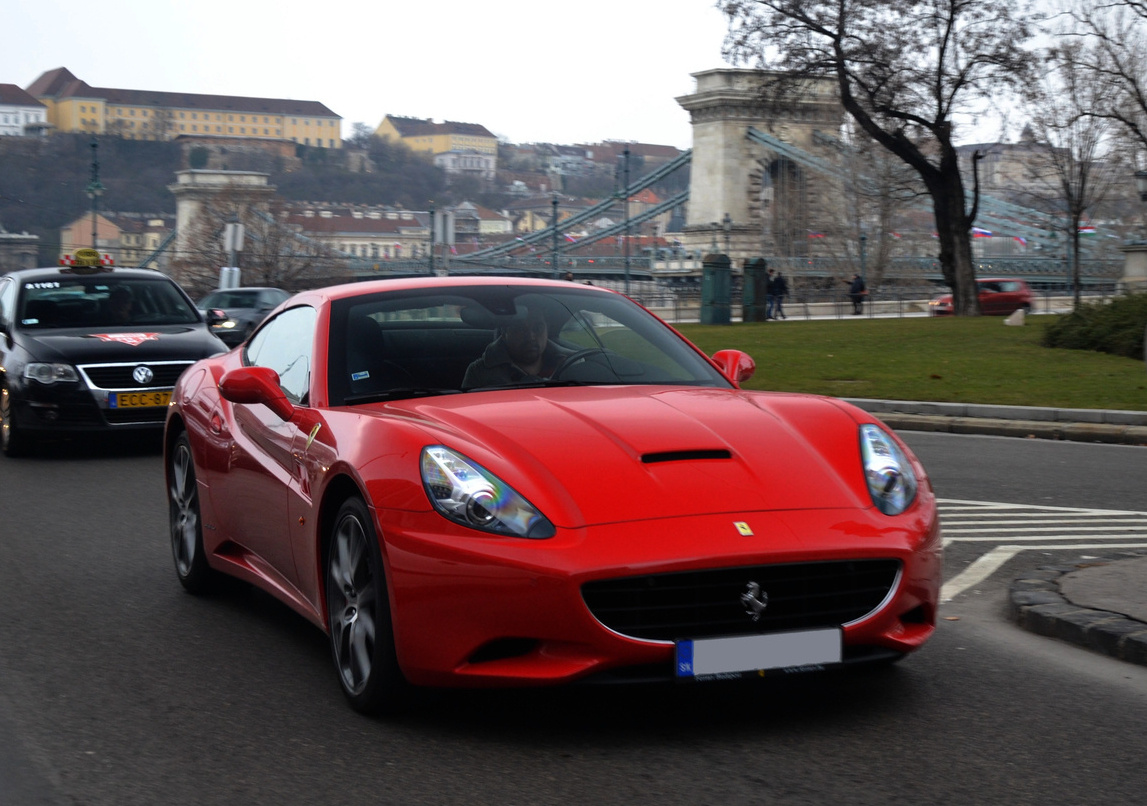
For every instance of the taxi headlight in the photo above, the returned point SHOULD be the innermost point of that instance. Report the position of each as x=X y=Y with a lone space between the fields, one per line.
x=468 y=494
x=51 y=373
x=891 y=480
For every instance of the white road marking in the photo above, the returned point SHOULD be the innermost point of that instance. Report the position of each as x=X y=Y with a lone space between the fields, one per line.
x=1026 y=527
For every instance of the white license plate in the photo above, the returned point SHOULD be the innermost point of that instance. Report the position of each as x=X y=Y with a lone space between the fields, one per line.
x=752 y=653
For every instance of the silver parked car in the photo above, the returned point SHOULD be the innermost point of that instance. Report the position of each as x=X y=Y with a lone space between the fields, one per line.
x=245 y=309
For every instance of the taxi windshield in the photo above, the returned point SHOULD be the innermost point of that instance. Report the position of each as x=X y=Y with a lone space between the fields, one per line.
x=102 y=301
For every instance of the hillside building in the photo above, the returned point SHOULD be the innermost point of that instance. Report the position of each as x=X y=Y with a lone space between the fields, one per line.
x=21 y=115
x=74 y=106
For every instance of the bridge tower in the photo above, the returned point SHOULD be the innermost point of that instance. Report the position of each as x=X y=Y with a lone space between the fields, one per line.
x=195 y=191
x=772 y=203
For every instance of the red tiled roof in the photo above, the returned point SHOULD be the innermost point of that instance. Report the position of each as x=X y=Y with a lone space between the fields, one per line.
x=50 y=84
x=348 y=225
x=419 y=127
x=11 y=95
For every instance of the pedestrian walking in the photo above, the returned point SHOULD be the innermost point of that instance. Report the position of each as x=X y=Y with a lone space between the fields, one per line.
x=770 y=300
x=779 y=289
x=857 y=291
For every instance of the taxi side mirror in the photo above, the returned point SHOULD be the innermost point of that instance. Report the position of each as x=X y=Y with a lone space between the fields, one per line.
x=737 y=366
x=253 y=385
x=216 y=316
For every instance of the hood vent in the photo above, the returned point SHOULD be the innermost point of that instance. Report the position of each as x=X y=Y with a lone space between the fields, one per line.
x=685 y=456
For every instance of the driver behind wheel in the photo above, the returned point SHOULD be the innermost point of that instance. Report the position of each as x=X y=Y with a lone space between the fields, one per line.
x=521 y=352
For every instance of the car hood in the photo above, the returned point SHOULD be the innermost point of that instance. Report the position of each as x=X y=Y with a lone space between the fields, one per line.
x=608 y=454
x=110 y=345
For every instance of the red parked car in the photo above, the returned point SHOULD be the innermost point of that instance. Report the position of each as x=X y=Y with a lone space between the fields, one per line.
x=999 y=296
x=502 y=482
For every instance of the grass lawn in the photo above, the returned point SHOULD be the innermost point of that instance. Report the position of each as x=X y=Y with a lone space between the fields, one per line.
x=954 y=359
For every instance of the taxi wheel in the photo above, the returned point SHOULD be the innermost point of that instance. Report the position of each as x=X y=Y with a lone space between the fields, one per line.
x=13 y=441
x=186 y=525
x=358 y=616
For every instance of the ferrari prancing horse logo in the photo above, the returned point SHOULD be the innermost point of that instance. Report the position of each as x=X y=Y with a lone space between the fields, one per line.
x=744 y=529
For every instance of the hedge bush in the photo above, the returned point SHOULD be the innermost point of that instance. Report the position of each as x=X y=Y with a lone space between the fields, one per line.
x=1115 y=327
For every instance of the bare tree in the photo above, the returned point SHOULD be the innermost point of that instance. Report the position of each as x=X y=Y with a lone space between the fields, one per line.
x=1073 y=171
x=904 y=69
x=1117 y=33
x=273 y=253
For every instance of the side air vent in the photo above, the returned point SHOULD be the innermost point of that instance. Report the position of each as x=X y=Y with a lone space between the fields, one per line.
x=684 y=456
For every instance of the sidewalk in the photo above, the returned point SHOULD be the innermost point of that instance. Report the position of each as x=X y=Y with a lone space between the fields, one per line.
x=1100 y=605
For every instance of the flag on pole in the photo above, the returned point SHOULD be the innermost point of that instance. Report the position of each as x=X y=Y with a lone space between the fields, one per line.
x=1021 y=239
x=981 y=233
x=1086 y=229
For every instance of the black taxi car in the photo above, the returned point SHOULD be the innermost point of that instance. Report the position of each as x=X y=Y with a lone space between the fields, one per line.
x=89 y=347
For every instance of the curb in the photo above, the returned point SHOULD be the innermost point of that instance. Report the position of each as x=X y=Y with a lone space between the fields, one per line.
x=1027 y=429
x=1036 y=604
x=1078 y=425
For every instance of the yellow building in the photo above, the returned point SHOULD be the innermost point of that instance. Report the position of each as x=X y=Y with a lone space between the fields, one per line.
x=73 y=106
x=128 y=238
x=438 y=138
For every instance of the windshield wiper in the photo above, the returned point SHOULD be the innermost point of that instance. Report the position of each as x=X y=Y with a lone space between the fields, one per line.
x=398 y=393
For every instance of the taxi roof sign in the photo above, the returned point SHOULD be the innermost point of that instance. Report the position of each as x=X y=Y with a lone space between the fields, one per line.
x=89 y=259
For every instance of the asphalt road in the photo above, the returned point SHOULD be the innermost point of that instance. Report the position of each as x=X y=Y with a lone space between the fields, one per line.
x=118 y=688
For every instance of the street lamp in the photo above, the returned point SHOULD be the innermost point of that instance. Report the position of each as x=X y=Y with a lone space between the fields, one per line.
x=95 y=189
x=716 y=226
x=626 y=153
x=554 y=221
x=863 y=259
x=727 y=226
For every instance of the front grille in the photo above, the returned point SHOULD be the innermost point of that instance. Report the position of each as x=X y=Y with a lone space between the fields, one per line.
x=118 y=376
x=701 y=604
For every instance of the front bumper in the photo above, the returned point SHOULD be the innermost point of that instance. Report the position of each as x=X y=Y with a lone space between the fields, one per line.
x=103 y=399
x=474 y=610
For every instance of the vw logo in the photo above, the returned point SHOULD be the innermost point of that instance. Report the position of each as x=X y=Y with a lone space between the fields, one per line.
x=754 y=601
x=142 y=375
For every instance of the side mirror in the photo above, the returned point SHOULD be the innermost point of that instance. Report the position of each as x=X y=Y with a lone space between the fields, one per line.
x=738 y=366
x=256 y=385
x=216 y=316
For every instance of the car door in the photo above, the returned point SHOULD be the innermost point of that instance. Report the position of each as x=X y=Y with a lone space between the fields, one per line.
x=263 y=464
x=989 y=297
x=7 y=316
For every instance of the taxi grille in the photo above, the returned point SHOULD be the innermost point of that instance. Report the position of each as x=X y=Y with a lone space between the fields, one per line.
x=701 y=604
x=118 y=376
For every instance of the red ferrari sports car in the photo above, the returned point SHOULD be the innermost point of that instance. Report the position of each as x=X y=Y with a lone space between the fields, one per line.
x=504 y=482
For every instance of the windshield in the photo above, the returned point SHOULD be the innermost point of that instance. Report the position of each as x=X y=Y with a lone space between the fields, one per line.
x=103 y=301
x=250 y=298
x=465 y=339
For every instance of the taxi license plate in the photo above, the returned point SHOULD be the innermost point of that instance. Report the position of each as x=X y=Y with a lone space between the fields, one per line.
x=138 y=400
x=753 y=653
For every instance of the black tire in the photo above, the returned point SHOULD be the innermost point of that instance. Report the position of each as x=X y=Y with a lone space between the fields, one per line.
x=358 y=616
x=191 y=565
x=13 y=441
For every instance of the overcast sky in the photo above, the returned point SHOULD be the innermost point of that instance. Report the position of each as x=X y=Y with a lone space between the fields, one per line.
x=530 y=72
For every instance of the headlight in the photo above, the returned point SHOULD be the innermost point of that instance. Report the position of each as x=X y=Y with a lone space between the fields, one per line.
x=230 y=323
x=891 y=480
x=51 y=373
x=468 y=494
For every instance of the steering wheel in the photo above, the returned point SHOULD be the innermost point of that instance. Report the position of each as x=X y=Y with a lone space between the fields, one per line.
x=573 y=358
